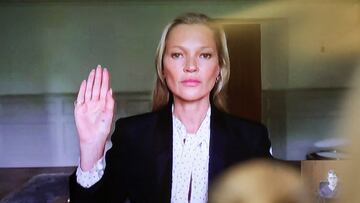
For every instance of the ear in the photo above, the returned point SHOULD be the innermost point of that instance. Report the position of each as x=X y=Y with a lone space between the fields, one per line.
x=163 y=75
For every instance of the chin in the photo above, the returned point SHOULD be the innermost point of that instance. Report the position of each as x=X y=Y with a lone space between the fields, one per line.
x=191 y=96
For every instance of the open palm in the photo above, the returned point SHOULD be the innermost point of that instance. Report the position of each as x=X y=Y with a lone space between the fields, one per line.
x=94 y=108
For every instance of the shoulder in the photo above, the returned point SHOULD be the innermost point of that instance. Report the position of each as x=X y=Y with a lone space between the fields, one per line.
x=139 y=125
x=137 y=119
x=240 y=124
x=242 y=135
x=241 y=129
x=137 y=122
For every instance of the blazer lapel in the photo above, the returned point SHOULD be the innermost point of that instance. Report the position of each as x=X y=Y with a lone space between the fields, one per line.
x=164 y=150
x=163 y=154
x=217 y=147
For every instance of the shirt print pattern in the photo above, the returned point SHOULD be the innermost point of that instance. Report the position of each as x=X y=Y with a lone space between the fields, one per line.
x=190 y=162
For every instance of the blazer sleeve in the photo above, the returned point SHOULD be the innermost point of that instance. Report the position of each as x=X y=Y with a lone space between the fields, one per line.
x=112 y=187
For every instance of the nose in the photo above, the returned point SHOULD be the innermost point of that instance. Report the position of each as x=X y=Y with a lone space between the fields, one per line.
x=191 y=65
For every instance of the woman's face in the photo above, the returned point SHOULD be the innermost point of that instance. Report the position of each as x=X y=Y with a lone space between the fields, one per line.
x=191 y=62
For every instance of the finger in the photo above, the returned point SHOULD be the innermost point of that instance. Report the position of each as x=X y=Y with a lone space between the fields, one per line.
x=105 y=83
x=89 y=85
x=110 y=102
x=97 y=83
x=81 y=95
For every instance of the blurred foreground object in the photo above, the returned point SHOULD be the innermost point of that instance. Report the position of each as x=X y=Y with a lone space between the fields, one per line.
x=349 y=127
x=259 y=181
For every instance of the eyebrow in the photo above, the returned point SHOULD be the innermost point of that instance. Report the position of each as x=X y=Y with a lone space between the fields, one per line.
x=181 y=47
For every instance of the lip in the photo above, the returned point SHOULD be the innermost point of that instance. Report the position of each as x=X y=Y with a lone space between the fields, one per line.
x=191 y=82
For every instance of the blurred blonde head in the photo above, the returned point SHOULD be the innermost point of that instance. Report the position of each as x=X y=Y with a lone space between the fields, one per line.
x=259 y=181
x=349 y=127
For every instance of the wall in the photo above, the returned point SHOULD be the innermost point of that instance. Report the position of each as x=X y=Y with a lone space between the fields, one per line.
x=39 y=130
x=45 y=44
x=48 y=48
x=49 y=43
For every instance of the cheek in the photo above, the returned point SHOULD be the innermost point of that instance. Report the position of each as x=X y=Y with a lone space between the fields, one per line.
x=170 y=63
x=212 y=70
x=170 y=74
x=167 y=68
x=172 y=68
x=167 y=75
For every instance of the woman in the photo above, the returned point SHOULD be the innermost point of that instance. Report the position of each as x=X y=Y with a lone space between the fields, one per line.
x=173 y=153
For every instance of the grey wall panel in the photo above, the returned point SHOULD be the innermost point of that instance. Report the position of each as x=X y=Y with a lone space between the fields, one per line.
x=40 y=131
x=298 y=119
x=28 y=144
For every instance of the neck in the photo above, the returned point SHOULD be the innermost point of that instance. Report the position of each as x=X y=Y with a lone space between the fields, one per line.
x=191 y=114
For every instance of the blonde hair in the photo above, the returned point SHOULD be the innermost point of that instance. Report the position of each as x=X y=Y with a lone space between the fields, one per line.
x=161 y=93
x=259 y=181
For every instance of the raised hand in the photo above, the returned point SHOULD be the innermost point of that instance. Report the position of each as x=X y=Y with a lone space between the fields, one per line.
x=94 y=112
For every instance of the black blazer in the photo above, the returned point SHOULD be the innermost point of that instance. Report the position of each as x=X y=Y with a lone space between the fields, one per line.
x=139 y=164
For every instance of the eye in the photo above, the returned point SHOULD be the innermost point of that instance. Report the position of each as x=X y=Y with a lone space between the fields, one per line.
x=176 y=55
x=205 y=55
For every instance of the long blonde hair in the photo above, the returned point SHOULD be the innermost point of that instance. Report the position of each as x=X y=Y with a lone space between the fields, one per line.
x=161 y=93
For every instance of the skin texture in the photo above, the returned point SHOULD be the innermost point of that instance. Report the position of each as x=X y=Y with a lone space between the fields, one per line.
x=190 y=69
x=94 y=112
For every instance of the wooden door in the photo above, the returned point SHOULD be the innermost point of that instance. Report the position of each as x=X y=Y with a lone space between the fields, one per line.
x=244 y=89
